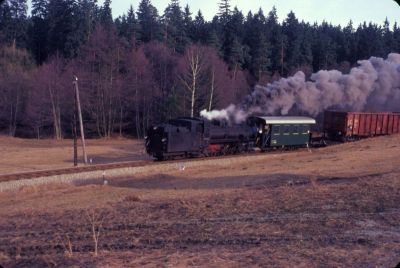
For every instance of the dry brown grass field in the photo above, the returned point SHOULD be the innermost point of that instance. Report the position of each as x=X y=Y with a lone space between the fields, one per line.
x=19 y=155
x=337 y=206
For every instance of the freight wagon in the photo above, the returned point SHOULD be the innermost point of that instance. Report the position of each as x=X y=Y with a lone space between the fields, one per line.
x=347 y=126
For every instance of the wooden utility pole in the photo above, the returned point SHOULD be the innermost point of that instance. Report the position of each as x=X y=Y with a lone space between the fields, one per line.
x=74 y=130
x=78 y=103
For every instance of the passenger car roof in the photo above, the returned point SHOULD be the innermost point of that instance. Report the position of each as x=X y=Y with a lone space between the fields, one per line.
x=286 y=119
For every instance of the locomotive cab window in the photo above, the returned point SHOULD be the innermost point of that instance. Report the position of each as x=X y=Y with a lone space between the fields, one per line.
x=199 y=128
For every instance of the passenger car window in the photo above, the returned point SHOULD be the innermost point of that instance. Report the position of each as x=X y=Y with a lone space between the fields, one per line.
x=277 y=130
x=296 y=129
x=286 y=130
x=305 y=129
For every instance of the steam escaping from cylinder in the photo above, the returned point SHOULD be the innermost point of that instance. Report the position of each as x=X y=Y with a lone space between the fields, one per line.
x=373 y=85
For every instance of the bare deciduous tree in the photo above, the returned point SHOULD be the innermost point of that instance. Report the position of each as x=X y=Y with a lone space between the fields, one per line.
x=50 y=77
x=96 y=217
x=138 y=89
x=66 y=242
x=99 y=70
x=14 y=86
x=190 y=80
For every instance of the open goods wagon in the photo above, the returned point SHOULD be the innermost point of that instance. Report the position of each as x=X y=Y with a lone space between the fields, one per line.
x=354 y=125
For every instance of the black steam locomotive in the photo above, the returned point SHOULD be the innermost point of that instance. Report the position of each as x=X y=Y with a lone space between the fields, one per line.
x=192 y=137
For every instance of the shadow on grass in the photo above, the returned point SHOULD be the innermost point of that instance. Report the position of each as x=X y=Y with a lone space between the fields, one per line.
x=167 y=182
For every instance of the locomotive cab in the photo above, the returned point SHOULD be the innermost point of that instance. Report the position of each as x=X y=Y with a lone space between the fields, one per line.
x=179 y=137
x=155 y=141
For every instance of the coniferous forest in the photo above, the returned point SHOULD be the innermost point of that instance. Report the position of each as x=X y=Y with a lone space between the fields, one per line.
x=150 y=65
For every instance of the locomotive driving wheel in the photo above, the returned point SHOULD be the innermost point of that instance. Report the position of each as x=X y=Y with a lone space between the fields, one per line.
x=160 y=157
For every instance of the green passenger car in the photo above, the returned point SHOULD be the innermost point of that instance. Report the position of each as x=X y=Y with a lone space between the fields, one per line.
x=283 y=131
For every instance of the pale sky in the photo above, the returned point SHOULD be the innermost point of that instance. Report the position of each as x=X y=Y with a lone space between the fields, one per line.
x=334 y=11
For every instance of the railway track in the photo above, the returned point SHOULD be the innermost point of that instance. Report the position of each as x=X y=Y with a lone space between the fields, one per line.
x=119 y=165
x=72 y=170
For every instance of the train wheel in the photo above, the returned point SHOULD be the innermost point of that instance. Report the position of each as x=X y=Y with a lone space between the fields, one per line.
x=206 y=153
x=160 y=157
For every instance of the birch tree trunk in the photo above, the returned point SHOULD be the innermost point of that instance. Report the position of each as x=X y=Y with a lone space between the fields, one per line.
x=194 y=72
x=55 y=107
x=137 y=112
x=212 y=88
x=14 y=115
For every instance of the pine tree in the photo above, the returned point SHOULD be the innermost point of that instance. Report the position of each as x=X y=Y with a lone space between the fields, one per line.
x=174 y=28
x=200 y=32
x=369 y=41
x=87 y=12
x=38 y=30
x=387 y=37
x=272 y=19
x=306 y=56
x=236 y=57
x=214 y=37
x=61 y=36
x=213 y=40
x=324 y=47
x=188 y=24
x=232 y=40
x=236 y=24
x=106 y=15
x=148 y=21
x=254 y=26
x=347 y=45
x=277 y=40
x=128 y=27
x=292 y=30
x=13 y=22
x=132 y=25
x=39 y=8
x=5 y=19
x=396 y=37
x=261 y=57
x=224 y=11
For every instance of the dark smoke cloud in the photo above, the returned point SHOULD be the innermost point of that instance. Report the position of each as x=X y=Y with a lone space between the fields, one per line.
x=374 y=85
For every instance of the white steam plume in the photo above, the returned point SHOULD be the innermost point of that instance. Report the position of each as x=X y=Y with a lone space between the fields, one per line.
x=374 y=85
